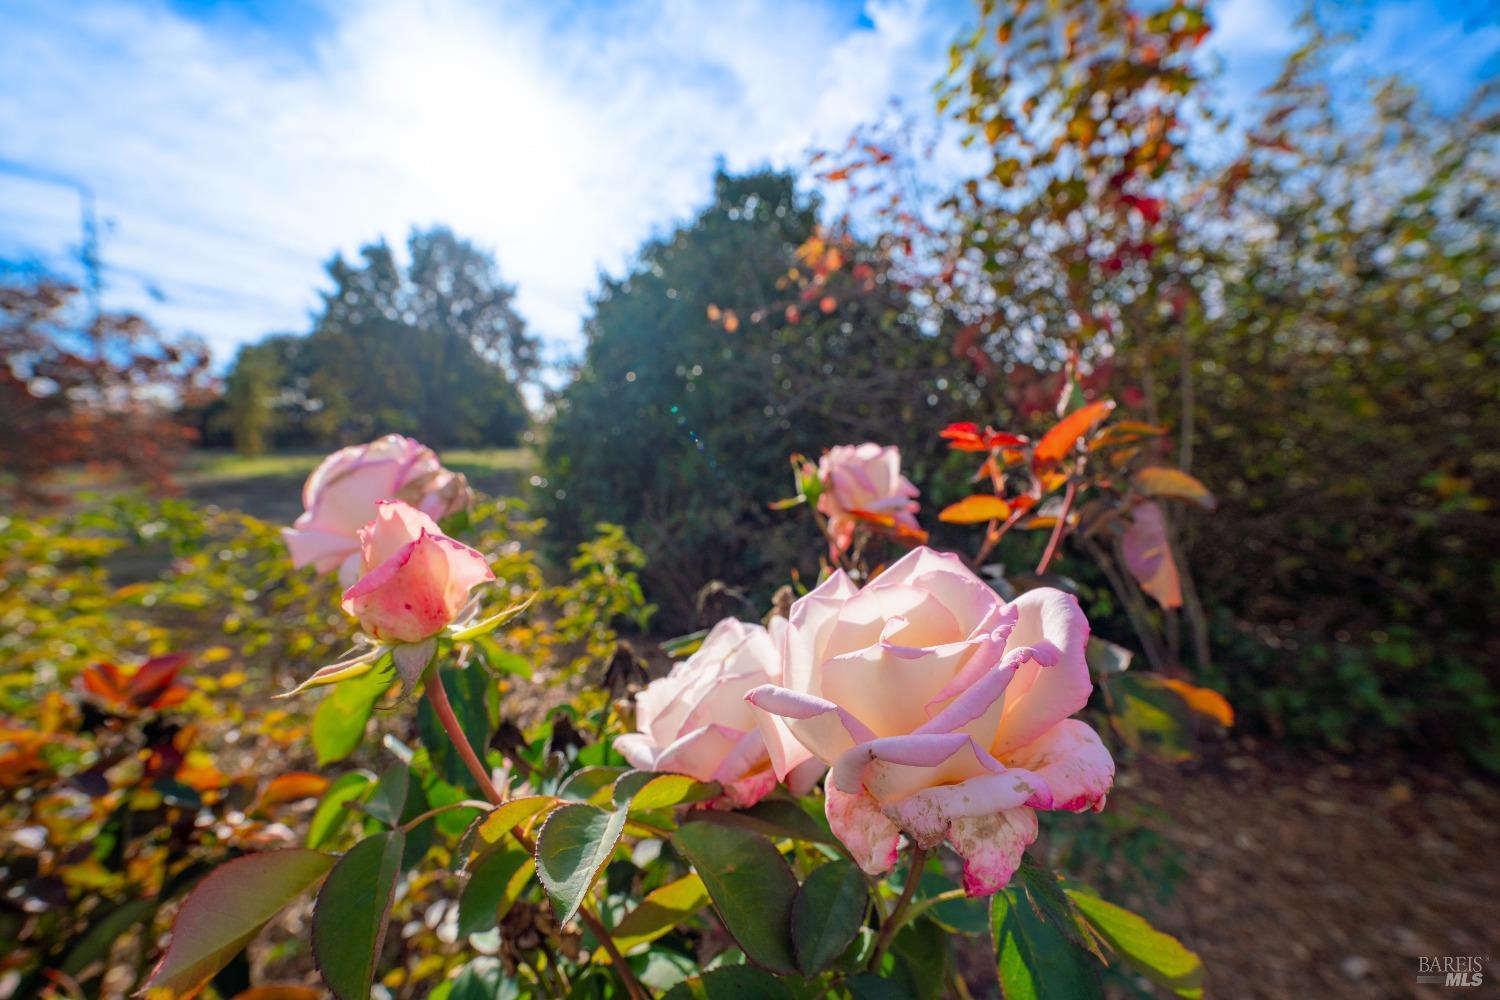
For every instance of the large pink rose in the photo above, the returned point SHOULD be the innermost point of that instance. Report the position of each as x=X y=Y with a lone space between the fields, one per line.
x=864 y=483
x=942 y=710
x=414 y=579
x=341 y=494
x=695 y=720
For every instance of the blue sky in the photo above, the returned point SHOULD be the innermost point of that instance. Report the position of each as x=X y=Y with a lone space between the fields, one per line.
x=233 y=147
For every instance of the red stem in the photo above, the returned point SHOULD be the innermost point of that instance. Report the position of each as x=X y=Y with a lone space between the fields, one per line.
x=1058 y=529
x=438 y=698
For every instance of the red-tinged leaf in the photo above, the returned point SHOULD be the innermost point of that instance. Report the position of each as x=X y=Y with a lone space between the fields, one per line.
x=963 y=436
x=1148 y=557
x=837 y=175
x=1057 y=442
x=228 y=908
x=290 y=787
x=828 y=303
x=153 y=679
x=976 y=509
x=1162 y=481
x=103 y=681
x=1204 y=701
x=282 y=992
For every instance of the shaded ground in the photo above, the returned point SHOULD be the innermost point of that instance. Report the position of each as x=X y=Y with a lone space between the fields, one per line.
x=1326 y=878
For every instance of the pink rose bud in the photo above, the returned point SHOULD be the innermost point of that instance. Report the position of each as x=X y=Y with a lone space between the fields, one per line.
x=341 y=494
x=695 y=720
x=942 y=710
x=864 y=483
x=414 y=579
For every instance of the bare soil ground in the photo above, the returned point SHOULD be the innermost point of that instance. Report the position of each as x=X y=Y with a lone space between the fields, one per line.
x=1328 y=878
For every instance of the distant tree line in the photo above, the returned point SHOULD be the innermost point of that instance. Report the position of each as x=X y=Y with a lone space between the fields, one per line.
x=434 y=349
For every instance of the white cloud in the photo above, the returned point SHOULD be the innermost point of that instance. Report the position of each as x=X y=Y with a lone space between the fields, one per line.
x=231 y=170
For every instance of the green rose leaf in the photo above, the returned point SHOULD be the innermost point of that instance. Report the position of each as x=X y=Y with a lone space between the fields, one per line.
x=827 y=914
x=572 y=848
x=388 y=799
x=352 y=911
x=498 y=880
x=752 y=888
x=333 y=811
x=339 y=722
x=644 y=791
x=732 y=982
x=1160 y=957
x=228 y=908
x=662 y=910
x=1036 y=961
x=497 y=825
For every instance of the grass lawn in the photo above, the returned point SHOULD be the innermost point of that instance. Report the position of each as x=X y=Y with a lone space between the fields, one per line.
x=270 y=486
x=224 y=466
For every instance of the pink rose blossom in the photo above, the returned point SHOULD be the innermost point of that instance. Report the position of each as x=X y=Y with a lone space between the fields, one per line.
x=695 y=720
x=341 y=494
x=864 y=483
x=942 y=710
x=414 y=579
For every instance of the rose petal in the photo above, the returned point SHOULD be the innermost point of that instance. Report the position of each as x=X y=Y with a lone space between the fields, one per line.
x=1074 y=763
x=872 y=839
x=698 y=753
x=928 y=814
x=991 y=847
x=1039 y=697
x=325 y=550
x=896 y=767
x=638 y=751
x=819 y=726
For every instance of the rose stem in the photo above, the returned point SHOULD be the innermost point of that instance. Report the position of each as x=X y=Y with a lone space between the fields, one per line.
x=1057 y=530
x=893 y=922
x=438 y=698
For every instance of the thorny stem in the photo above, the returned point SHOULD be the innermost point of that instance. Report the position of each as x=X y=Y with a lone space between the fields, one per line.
x=893 y=923
x=438 y=698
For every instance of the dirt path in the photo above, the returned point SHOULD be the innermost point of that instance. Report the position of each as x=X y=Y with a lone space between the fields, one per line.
x=1325 y=878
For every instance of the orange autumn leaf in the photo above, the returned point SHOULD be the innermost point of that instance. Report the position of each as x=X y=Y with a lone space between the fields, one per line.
x=292 y=786
x=890 y=525
x=279 y=993
x=1057 y=442
x=1162 y=481
x=1204 y=701
x=976 y=509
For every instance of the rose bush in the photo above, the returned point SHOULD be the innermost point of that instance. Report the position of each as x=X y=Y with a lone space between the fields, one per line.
x=695 y=720
x=942 y=710
x=340 y=497
x=863 y=484
x=414 y=580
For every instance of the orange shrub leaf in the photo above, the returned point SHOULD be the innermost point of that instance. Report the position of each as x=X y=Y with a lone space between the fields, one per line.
x=1162 y=481
x=1058 y=441
x=975 y=509
x=1204 y=701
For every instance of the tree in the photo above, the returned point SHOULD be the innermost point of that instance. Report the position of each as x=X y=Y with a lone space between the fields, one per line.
x=89 y=387
x=434 y=349
x=703 y=370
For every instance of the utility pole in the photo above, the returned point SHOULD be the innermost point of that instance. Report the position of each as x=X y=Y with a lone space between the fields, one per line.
x=88 y=252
